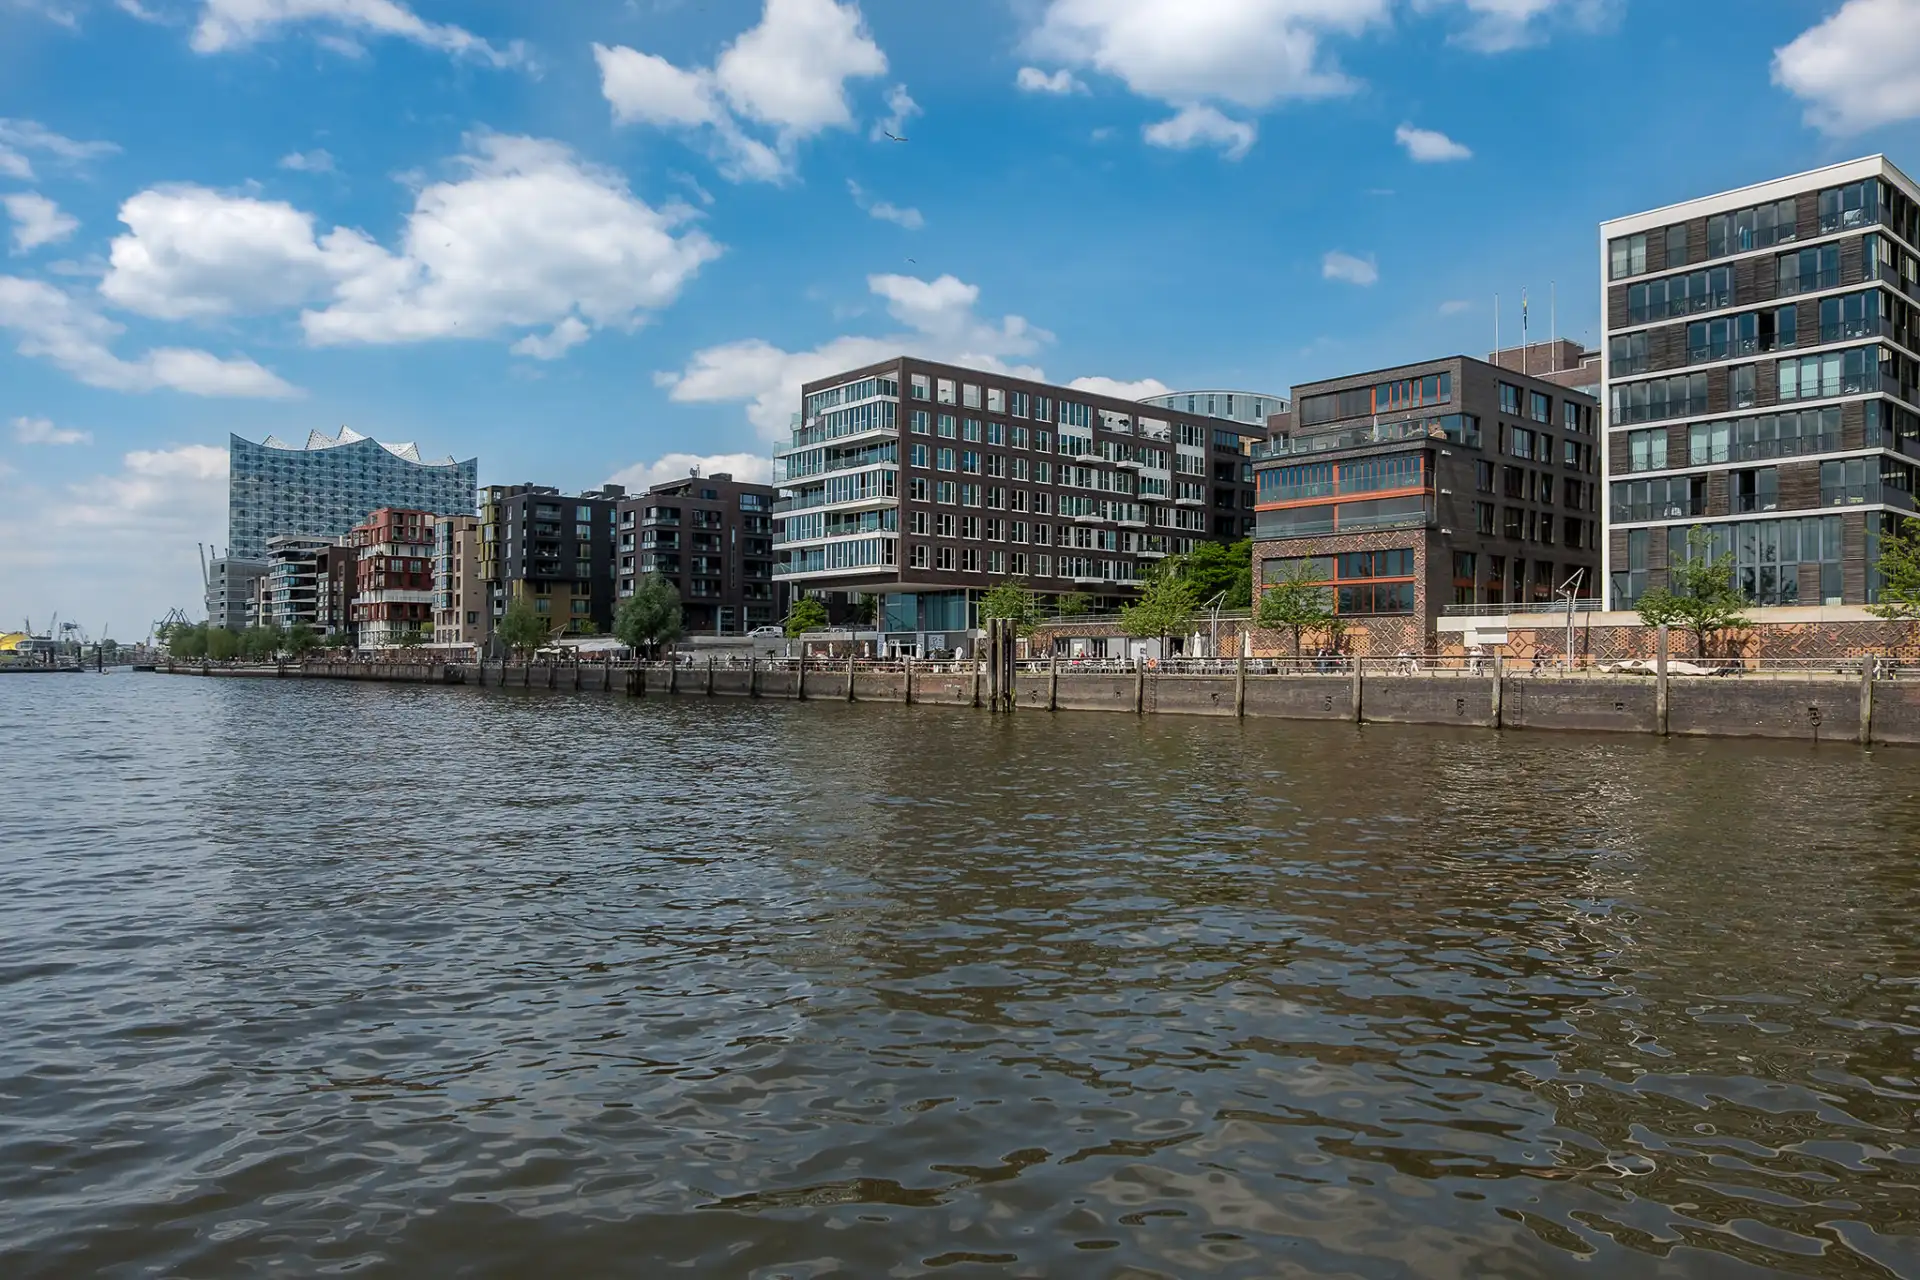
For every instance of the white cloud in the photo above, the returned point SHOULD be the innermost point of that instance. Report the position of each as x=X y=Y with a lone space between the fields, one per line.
x=900 y=108
x=751 y=468
x=1455 y=306
x=37 y=221
x=1344 y=266
x=1857 y=70
x=53 y=326
x=1199 y=126
x=116 y=549
x=232 y=24
x=941 y=323
x=1429 y=146
x=1034 y=80
x=18 y=137
x=1122 y=390
x=1498 y=26
x=315 y=161
x=565 y=336
x=134 y=9
x=529 y=237
x=908 y=218
x=42 y=431
x=788 y=74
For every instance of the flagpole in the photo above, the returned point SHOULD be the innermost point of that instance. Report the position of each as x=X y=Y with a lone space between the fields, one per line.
x=1496 y=328
x=1553 y=320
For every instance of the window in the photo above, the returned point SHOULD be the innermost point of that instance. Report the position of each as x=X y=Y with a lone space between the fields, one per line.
x=948 y=426
x=1756 y=490
x=1853 y=315
x=1020 y=438
x=917 y=524
x=1680 y=295
x=1520 y=442
x=946 y=493
x=996 y=400
x=1627 y=353
x=1626 y=256
x=970 y=431
x=922 y=422
x=1483 y=518
x=1676 y=246
x=917 y=489
x=919 y=387
x=1570 y=416
x=1657 y=398
x=1017 y=407
x=997 y=434
x=917 y=556
x=1513 y=522
x=1809 y=269
x=1742 y=389
x=1667 y=498
x=970 y=396
x=1757 y=228
x=917 y=455
x=1855 y=205
x=943 y=559
x=944 y=460
x=1849 y=482
x=1834 y=374
x=1709 y=340
x=943 y=391
x=1483 y=476
x=1539 y=406
x=1509 y=399
x=969 y=462
x=1513 y=482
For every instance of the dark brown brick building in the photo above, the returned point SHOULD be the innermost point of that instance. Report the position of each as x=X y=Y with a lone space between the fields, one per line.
x=712 y=538
x=1412 y=490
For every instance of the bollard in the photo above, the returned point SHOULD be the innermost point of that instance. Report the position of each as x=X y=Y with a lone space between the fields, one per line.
x=1139 y=687
x=1662 y=695
x=1866 y=700
x=1499 y=690
x=576 y=675
x=709 y=675
x=673 y=675
x=800 y=678
x=1053 y=682
x=849 y=675
x=753 y=677
x=976 y=682
x=553 y=673
x=1357 y=689
x=907 y=665
x=1240 y=687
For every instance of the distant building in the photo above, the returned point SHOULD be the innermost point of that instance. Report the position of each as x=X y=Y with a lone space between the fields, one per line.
x=232 y=583
x=712 y=538
x=1763 y=383
x=1250 y=407
x=290 y=591
x=551 y=550
x=459 y=605
x=1446 y=484
x=393 y=594
x=336 y=580
x=1561 y=361
x=332 y=483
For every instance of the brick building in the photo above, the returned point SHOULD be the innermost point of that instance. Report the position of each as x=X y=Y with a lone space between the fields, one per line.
x=552 y=550
x=393 y=589
x=712 y=538
x=459 y=605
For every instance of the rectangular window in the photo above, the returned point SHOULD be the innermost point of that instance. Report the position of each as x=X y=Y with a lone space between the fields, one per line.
x=997 y=434
x=946 y=492
x=1742 y=386
x=920 y=388
x=922 y=422
x=944 y=460
x=970 y=396
x=1626 y=256
x=1627 y=354
x=970 y=431
x=944 y=391
x=1676 y=246
x=1483 y=518
x=1020 y=438
x=1483 y=476
x=1017 y=407
x=917 y=455
x=1809 y=269
x=1747 y=229
x=996 y=400
x=1539 y=406
x=1520 y=442
x=1509 y=399
x=948 y=426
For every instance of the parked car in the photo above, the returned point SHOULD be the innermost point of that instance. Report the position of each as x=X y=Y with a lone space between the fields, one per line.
x=765 y=633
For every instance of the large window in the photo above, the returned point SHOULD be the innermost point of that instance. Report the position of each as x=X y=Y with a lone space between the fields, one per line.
x=1362 y=583
x=1706 y=290
x=1658 y=398
x=1663 y=498
x=1626 y=256
x=1837 y=373
x=1768 y=555
x=1855 y=205
x=1387 y=397
x=1539 y=406
x=1627 y=354
x=1809 y=269
x=1852 y=315
x=1760 y=227
x=1647 y=450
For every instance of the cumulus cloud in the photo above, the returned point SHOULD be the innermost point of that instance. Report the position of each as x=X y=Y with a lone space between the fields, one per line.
x=1345 y=267
x=1034 y=80
x=19 y=138
x=1429 y=146
x=117 y=548
x=908 y=218
x=226 y=25
x=42 y=431
x=37 y=221
x=752 y=468
x=51 y=325
x=315 y=161
x=788 y=74
x=1200 y=126
x=1455 y=306
x=527 y=236
x=1122 y=390
x=900 y=108
x=941 y=322
x=1858 y=69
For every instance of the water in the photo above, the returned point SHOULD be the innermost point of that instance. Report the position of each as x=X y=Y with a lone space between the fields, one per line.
x=304 y=979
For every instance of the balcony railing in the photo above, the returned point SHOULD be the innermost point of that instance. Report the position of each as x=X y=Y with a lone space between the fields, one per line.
x=1841 y=331
x=1848 y=220
x=1450 y=428
x=1859 y=495
x=1637 y=511
x=1808 y=282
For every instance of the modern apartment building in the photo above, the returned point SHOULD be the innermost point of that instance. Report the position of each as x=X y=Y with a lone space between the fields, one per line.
x=459 y=604
x=331 y=484
x=1447 y=484
x=231 y=590
x=336 y=579
x=712 y=538
x=1250 y=407
x=290 y=593
x=393 y=593
x=554 y=551
x=926 y=485
x=1763 y=381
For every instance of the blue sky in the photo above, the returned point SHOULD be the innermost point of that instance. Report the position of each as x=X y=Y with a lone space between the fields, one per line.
x=583 y=240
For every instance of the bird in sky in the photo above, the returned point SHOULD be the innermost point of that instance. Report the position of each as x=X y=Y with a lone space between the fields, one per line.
x=896 y=137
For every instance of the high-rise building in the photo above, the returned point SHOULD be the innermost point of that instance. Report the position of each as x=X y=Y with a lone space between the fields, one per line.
x=1762 y=382
x=232 y=586
x=927 y=485
x=459 y=604
x=291 y=587
x=712 y=538
x=332 y=483
x=393 y=596
x=1446 y=484
x=336 y=578
x=1250 y=407
x=554 y=551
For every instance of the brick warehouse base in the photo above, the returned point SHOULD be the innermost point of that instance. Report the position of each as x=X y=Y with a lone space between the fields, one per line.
x=1832 y=709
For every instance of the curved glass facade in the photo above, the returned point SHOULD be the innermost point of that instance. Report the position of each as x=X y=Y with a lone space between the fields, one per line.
x=1252 y=407
x=332 y=484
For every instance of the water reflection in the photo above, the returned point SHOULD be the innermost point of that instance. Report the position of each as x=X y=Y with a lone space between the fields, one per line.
x=421 y=981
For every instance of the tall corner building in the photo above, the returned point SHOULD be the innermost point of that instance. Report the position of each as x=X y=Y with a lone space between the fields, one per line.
x=1763 y=382
x=330 y=484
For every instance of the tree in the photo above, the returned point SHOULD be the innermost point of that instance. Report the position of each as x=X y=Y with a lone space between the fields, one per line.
x=222 y=644
x=186 y=640
x=1074 y=604
x=1220 y=568
x=341 y=639
x=1013 y=601
x=650 y=617
x=864 y=609
x=1899 y=569
x=1699 y=596
x=1165 y=607
x=260 y=644
x=806 y=615
x=522 y=630
x=1297 y=603
x=300 y=640
x=411 y=639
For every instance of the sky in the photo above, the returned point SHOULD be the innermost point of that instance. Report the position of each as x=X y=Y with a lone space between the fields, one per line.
x=609 y=239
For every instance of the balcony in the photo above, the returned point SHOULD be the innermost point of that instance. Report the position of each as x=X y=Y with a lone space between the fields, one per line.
x=1844 y=330
x=1744 y=504
x=1808 y=282
x=661 y=522
x=1635 y=512
x=1459 y=428
x=1866 y=495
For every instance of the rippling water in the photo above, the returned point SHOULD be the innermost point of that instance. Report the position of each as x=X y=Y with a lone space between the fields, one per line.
x=301 y=979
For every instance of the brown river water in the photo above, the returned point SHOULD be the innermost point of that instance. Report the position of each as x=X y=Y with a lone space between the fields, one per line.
x=303 y=979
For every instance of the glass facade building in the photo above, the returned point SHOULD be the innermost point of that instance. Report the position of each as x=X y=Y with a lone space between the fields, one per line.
x=331 y=484
x=1250 y=407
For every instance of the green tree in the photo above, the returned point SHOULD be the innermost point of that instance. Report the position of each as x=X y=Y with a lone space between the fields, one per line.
x=300 y=640
x=410 y=639
x=1165 y=608
x=187 y=640
x=806 y=615
x=650 y=617
x=222 y=644
x=1013 y=601
x=259 y=644
x=1297 y=603
x=1074 y=604
x=522 y=630
x=864 y=609
x=1899 y=569
x=1699 y=596
x=1220 y=568
x=341 y=639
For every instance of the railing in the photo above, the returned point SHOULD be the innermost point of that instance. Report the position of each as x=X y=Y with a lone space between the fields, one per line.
x=1843 y=330
x=1590 y=605
x=1655 y=511
x=1808 y=282
x=1848 y=219
x=1361 y=437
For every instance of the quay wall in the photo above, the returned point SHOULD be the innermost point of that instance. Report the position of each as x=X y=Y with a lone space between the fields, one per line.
x=1819 y=709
